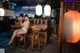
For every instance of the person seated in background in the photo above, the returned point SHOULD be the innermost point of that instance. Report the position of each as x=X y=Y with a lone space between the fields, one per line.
x=24 y=22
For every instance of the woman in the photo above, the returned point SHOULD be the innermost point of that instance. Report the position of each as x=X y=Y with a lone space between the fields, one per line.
x=24 y=22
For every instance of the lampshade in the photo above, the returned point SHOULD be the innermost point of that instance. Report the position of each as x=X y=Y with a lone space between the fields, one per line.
x=2 y=12
x=38 y=10
x=47 y=10
x=71 y=26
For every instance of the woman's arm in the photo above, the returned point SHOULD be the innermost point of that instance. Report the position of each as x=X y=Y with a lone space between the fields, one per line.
x=20 y=21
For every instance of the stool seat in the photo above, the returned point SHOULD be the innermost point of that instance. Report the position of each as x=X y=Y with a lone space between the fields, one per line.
x=36 y=29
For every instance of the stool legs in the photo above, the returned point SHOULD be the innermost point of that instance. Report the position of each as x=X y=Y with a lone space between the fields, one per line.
x=24 y=41
x=35 y=40
x=39 y=44
x=45 y=40
x=32 y=38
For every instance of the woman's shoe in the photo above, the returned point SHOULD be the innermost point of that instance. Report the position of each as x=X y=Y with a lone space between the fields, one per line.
x=10 y=43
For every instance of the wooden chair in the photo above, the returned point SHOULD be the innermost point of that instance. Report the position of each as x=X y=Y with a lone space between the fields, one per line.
x=37 y=21
x=43 y=33
x=35 y=37
x=41 y=21
x=23 y=41
x=43 y=39
x=34 y=21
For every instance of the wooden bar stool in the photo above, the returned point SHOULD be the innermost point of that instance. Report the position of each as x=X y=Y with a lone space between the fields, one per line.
x=35 y=37
x=23 y=41
x=43 y=32
x=43 y=38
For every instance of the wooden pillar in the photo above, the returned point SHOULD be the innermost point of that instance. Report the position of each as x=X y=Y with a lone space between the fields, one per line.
x=60 y=27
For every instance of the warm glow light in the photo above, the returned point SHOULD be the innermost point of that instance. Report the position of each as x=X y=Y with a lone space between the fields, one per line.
x=2 y=12
x=47 y=10
x=38 y=10
x=71 y=26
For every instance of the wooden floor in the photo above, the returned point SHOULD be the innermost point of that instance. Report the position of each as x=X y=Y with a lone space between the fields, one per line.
x=51 y=48
x=71 y=48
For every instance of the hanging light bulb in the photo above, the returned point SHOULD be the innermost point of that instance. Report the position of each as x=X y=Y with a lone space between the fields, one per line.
x=38 y=10
x=47 y=10
x=2 y=12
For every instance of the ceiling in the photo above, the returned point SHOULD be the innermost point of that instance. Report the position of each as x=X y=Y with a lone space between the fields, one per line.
x=29 y=2
x=53 y=3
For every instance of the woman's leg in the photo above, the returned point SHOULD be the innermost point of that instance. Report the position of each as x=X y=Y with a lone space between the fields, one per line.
x=14 y=35
x=19 y=34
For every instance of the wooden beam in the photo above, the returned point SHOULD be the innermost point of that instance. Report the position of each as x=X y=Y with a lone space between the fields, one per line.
x=60 y=27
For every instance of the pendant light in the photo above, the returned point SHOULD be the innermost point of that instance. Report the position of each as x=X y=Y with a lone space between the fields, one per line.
x=47 y=10
x=71 y=26
x=2 y=12
x=38 y=10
